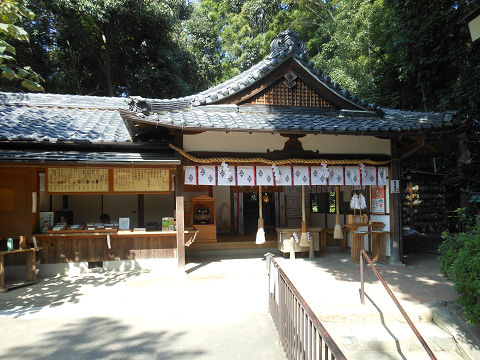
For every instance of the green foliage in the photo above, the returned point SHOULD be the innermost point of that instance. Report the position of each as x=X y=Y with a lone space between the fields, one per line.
x=116 y=47
x=460 y=261
x=13 y=12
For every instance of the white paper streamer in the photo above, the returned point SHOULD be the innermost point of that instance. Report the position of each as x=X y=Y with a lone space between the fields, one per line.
x=295 y=236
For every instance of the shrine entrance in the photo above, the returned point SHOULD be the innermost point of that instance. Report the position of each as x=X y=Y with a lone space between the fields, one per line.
x=250 y=213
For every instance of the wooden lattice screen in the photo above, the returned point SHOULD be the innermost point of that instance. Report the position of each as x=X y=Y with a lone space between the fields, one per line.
x=279 y=94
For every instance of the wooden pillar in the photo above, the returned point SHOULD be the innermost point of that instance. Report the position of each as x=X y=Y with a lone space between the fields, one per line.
x=180 y=216
x=396 y=217
x=141 y=210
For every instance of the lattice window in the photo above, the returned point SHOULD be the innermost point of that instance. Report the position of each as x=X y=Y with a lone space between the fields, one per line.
x=300 y=95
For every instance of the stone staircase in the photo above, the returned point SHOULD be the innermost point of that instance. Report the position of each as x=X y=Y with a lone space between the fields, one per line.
x=365 y=332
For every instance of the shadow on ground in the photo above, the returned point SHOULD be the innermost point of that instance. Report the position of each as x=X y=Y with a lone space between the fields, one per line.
x=58 y=291
x=419 y=281
x=102 y=338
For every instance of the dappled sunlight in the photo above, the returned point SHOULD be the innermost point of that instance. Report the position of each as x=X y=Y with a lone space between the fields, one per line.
x=57 y=291
x=103 y=338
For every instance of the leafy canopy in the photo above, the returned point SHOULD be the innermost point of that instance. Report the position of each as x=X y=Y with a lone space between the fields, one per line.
x=13 y=12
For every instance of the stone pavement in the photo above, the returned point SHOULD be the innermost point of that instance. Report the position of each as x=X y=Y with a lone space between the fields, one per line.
x=330 y=284
x=217 y=311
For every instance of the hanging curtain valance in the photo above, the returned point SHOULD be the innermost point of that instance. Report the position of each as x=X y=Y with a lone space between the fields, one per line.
x=231 y=175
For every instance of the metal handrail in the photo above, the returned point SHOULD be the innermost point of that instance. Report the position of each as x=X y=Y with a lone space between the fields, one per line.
x=363 y=255
x=300 y=331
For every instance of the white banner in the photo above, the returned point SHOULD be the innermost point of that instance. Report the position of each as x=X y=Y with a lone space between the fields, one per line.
x=336 y=175
x=369 y=175
x=283 y=176
x=300 y=175
x=382 y=175
x=245 y=176
x=264 y=175
x=206 y=175
x=319 y=175
x=352 y=175
x=226 y=175
x=190 y=175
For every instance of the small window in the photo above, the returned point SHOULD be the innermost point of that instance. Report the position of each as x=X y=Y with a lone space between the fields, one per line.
x=326 y=203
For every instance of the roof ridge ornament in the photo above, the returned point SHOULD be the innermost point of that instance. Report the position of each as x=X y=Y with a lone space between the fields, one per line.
x=287 y=42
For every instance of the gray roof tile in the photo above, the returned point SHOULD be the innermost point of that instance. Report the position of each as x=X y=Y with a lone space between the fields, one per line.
x=50 y=117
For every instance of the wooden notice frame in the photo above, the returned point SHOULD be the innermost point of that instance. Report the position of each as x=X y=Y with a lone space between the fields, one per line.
x=109 y=189
x=141 y=180
x=61 y=180
x=378 y=202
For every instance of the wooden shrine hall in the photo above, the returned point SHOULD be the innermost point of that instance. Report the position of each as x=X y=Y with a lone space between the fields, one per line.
x=279 y=147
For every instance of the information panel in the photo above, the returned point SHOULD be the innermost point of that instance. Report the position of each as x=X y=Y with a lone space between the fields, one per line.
x=377 y=196
x=141 y=180
x=77 y=180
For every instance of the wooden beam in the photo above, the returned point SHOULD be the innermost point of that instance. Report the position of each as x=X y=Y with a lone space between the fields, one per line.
x=395 y=217
x=180 y=216
x=141 y=210
x=180 y=208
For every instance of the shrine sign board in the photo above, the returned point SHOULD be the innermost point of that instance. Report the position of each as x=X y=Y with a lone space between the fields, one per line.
x=77 y=180
x=141 y=180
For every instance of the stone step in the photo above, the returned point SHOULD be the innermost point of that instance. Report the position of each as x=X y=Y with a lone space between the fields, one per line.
x=382 y=355
x=389 y=337
x=369 y=313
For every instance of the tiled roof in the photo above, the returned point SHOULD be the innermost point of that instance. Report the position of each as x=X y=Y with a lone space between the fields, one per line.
x=201 y=112
x=291 y=119
x=86 y=157
x=52 y=118
x=284 y=47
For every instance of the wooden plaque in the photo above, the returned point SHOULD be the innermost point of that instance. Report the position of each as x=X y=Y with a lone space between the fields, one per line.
x=77 y=180
x=141 y=180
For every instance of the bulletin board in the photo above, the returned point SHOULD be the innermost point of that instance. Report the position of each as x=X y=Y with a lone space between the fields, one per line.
x=77 y=180
x=141 y=180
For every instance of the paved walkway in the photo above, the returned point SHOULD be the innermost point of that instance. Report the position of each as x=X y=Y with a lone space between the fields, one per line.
x=217 y=311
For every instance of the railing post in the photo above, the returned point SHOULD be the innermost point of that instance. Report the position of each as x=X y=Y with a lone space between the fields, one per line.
x=362 y=292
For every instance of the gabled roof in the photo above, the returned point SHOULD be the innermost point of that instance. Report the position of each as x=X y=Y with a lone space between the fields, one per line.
x=230 y=106
x=55 y=118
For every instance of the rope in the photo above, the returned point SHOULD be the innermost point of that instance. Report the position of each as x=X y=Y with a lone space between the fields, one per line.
x=260 y=201
x=213 y=160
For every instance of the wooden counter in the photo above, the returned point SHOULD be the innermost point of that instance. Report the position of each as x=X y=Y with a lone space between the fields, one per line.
x=65 y=246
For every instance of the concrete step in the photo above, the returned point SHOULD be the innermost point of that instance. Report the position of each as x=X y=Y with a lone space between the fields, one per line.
x=382 y=355
x=372 y=314
x=391 y=337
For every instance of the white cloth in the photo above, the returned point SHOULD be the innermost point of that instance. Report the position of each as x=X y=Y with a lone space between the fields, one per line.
x=382 y=175
x=226 y=175
x=264 y=175
x=245 y=176
x=369 y=175
x=300 y=175
x=283 y=176
x=206 y=175
x=336 y=176
x=319 y=175
x=352 y=175
x=190 y=175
